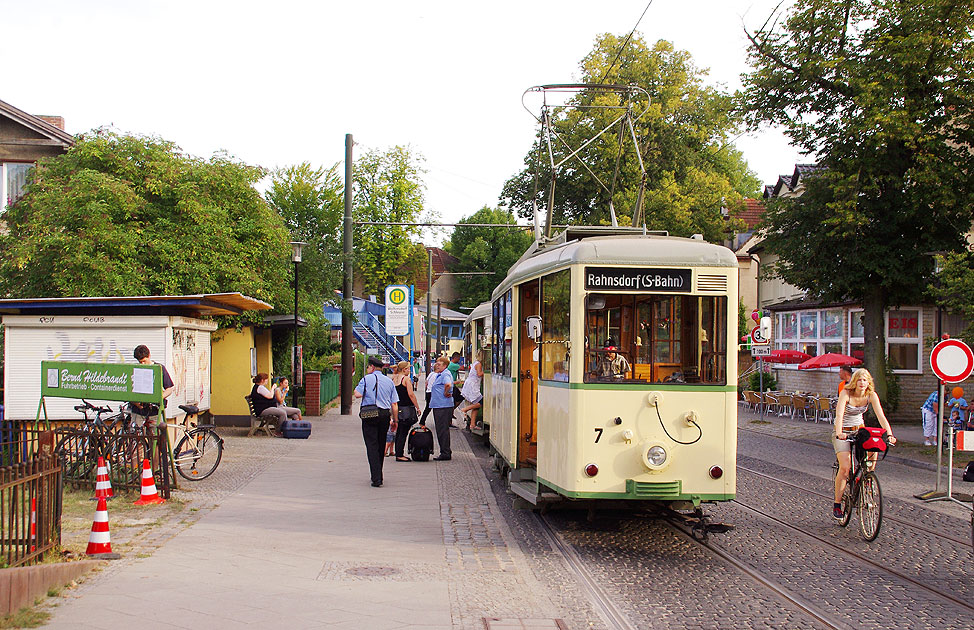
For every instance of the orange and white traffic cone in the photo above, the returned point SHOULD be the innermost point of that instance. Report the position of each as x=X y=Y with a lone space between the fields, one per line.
x=100 y=540
x=103 y=485
x=149 y=493
x=33 y=524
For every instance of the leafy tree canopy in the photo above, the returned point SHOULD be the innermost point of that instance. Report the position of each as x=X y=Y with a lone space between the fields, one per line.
x=389 y=188
x=881 y=91
x=128 y=215
x=485 y=249
x=956 y=291
x=311 y=203
x=684 y=139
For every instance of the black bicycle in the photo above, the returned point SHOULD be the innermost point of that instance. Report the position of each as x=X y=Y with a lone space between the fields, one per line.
x=862 y=490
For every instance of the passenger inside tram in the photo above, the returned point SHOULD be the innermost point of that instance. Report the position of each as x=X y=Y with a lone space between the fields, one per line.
x=655 y=338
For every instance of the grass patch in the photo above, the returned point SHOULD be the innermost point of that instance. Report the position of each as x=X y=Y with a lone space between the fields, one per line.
x=25 y=618
x=760 y=422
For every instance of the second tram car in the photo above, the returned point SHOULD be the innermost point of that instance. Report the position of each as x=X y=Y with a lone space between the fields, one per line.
x=477 y=340
x=612 y=370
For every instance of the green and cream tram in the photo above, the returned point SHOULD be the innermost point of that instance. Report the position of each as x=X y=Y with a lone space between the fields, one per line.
x=612 y=370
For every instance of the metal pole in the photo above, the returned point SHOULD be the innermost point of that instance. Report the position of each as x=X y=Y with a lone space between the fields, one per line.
x=294 y=352
x=940 y=433
x=439 y=328
x=348 y=368
x=764 y=401
x=429 y=311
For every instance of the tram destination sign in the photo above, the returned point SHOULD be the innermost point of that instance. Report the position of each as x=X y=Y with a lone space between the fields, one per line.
x=632 y=279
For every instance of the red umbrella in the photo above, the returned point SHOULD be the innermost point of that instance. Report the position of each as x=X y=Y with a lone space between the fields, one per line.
x=828 y=360
x=787 y=356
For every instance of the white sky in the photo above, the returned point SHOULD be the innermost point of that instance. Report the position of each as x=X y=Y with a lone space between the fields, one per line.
x=278 y=83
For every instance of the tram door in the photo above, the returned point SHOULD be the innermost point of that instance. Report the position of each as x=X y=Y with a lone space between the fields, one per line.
x=528 y=354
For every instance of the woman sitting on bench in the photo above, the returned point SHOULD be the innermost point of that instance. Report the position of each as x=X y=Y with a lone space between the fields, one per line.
x=265 y=402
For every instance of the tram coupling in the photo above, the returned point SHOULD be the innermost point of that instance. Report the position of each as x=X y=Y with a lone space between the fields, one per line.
x=696 y=524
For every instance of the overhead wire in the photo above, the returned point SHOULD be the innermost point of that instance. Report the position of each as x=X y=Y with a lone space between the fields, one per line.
x=625 y=43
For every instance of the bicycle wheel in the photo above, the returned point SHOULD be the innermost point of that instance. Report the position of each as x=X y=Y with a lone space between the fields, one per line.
x=79 y=455
x=198 y=454
x=127 y=452
x=846 y=498
x=870 y=507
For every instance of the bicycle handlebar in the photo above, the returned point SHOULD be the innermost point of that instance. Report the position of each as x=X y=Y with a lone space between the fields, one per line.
x=88 y=406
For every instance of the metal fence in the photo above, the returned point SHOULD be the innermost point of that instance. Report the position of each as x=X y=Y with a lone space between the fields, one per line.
x=30 y=508
x=329 y=387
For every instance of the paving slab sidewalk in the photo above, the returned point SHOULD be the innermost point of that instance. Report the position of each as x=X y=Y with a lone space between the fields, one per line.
x=308 y=543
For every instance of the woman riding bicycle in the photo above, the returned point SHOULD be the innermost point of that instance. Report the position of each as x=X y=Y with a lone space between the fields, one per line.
x=854 y=399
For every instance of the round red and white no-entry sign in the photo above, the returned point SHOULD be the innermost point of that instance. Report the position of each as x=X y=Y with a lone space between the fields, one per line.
x=952 y=360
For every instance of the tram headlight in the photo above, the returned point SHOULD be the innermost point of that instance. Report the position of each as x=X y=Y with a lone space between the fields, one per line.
x=656 y=456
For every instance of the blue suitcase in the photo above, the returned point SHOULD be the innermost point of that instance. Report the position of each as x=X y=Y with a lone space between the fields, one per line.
x=296 y=429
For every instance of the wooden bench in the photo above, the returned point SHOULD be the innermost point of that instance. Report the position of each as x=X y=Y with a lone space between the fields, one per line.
x=260 y=423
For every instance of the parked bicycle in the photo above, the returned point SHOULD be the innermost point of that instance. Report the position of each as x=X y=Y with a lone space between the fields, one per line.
x=116 y=438
x=198 y=453
x=862 y=491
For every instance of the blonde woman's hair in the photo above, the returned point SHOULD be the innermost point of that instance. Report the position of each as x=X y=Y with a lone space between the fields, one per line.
x=402 y=366
x=858 y=375
x=443 y=360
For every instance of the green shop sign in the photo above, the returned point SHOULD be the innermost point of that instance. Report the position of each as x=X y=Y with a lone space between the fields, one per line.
x=132 y=382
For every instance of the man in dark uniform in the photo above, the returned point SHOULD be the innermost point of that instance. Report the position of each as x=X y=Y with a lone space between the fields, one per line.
x=377 y=389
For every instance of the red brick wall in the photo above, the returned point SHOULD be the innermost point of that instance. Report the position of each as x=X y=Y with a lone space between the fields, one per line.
x=312 y=393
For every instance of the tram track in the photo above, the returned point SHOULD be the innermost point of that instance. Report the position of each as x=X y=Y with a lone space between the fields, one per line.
x=823 y=542
x=611 y=613
x=798 y=603
x=886 y=517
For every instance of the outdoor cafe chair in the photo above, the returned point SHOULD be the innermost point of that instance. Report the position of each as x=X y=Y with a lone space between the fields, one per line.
x=772 y=403
x=823 y=409
x=799 y=405
x=753 y=400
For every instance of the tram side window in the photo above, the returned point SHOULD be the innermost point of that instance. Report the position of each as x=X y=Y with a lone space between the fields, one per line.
x=508 y=330
x=555 y=318
x=495 y=342
x=655 y=338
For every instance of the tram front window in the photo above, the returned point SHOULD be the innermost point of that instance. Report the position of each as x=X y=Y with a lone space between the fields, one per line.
x=655 y=338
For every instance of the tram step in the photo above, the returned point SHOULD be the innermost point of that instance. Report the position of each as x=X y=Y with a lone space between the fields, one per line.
x=523 y=474
x=529 y=491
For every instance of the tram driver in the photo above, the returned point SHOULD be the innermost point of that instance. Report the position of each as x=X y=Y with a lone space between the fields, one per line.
x=613 y=364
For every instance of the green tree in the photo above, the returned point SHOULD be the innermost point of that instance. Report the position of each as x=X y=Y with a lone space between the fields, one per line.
x=389 y=188
x=956 y=290
x=128 y=215
x=880 y=90
x=684 y=139
x=485 y=249
x=311 y=203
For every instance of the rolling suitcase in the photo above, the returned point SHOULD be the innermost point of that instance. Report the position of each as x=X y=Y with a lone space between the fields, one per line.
x=296 y=429
x=420 y=443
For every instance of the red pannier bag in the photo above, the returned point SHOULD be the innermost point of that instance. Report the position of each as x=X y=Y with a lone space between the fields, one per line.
x=871 y=440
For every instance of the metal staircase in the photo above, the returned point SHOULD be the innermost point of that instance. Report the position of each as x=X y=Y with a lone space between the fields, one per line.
x=372 y=334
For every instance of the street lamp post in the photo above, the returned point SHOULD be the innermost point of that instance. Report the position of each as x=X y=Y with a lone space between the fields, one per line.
x=296 y=247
